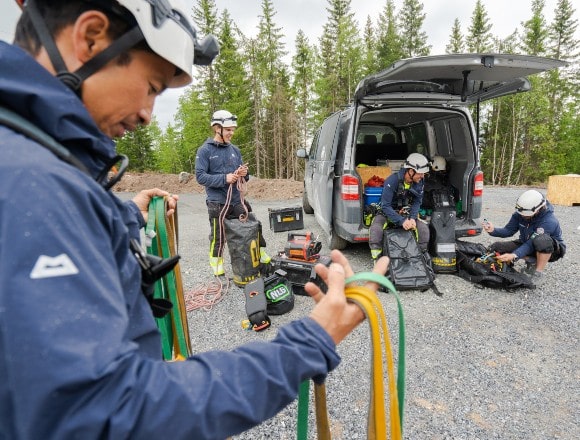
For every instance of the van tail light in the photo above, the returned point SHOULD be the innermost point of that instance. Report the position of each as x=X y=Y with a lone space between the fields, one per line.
x=478 y=184
x=349 y=188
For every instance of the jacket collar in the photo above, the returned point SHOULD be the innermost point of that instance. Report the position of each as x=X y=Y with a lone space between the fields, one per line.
x=44 y=101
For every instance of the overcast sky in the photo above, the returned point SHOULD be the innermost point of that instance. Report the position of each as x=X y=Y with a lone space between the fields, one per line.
x=310 y=16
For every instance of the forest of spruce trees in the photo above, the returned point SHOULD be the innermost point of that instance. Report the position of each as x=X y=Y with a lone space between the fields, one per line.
x=524 y=138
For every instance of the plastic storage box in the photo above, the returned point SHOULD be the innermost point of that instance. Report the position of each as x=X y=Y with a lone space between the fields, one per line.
x=286 y=219
x=372 y=194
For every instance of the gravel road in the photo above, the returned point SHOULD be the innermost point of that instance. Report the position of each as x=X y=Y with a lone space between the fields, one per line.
x=481 y=363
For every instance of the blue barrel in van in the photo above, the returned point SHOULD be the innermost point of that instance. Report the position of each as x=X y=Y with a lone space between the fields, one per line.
x=372 y=194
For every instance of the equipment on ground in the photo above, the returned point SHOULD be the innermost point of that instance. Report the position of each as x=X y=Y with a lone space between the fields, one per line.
x=243 y=238
x=442 y=237
x=410 y=268
x=302 y=246
x=256 y=305
x=299 y=272
x=477 y=264
x=279 y=293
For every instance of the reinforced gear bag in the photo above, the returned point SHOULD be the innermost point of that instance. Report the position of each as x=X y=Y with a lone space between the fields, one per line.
x=476 y=264
x=442 y=240
x=409 y=268
x=243 y=238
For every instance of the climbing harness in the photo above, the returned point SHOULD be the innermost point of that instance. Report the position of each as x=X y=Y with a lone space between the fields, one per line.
x=161 y=234
x=368 y=301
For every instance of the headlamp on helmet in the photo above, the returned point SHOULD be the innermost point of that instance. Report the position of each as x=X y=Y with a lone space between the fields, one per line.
x=224 y=119
x=417 y=162
x=530 y=202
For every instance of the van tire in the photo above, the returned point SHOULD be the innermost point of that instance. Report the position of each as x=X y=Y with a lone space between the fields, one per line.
x=305 y=205
x=337 y=242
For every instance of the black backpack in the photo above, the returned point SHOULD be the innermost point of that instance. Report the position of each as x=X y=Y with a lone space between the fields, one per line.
x=409 y=267
x=476 y=264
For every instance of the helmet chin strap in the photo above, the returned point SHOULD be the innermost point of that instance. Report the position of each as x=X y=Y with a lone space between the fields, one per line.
x=74 y=80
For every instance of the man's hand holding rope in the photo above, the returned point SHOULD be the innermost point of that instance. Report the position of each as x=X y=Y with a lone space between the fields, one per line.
x=332 y=311
x=143 y=198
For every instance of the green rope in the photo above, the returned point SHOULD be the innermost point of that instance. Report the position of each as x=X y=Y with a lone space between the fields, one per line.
x=303 y=398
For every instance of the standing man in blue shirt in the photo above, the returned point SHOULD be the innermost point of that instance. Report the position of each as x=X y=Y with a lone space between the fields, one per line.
x=219 y=166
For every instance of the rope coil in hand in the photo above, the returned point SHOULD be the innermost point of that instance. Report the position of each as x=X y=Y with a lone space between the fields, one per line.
x=163 y=233
x=368 y=301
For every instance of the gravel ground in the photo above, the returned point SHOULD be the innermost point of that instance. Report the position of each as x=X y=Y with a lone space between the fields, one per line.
x=481 y=363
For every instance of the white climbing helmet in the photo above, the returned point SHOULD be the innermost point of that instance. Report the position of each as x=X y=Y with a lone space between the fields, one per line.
x=171 y=35
x=530 y=202
x=224 y=119
x=439 y=163
x=417 y=162
x=163 y=24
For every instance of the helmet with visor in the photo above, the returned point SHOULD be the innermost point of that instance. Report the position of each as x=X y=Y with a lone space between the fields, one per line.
x=162 y=24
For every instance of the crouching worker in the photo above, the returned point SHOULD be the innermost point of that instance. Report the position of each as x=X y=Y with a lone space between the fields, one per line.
x=400 y=202
x=80 y=352
x=540 y=234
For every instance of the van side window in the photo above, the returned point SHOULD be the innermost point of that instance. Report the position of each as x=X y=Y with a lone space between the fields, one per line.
x=442 y=138
x=327 y=136
x=314 y=145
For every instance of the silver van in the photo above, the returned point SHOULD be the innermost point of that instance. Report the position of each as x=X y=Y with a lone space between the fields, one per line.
x=415 y=105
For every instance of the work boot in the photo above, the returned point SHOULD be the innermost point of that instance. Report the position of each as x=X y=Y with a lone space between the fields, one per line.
x=217 y=265
x=538 y=278
x=530 y=269
x=376 y=254
x=264 y=257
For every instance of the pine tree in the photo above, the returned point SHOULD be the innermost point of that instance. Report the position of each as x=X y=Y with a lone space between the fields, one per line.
x=370 y=49
x=535 y=31
x=389 y=47
x=231 y=80
x=340 y=63
x=205 y=15
x=303 y=65
x=455 y=44
x=273 y=79
x=138 y=147
x=414 y=40
x=479 y=37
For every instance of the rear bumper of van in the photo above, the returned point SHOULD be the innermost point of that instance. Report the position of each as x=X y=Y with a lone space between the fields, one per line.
x=351 y=232
x=467 y=228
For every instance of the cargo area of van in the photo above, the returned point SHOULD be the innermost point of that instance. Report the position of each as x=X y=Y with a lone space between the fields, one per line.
x=384 y=139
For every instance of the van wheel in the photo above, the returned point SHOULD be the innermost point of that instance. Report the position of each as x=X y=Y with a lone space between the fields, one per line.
x=337 y=242
x=305 y=205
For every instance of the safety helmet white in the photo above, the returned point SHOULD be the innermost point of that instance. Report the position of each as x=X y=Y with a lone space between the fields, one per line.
x=417 y=162
x=163 y=24
x=438 y=163
x=530 y=202
x=224 y=119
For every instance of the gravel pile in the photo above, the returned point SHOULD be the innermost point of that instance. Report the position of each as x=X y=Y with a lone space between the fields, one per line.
x=481 y=363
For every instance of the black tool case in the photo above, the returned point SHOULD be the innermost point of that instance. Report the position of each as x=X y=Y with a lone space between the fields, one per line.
x=286 y=219
x=299 y=272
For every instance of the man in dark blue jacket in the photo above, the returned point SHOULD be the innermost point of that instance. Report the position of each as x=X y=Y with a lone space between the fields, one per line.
x=219 y=167
x=540 y=234
x=80 y=353
x=400 y=202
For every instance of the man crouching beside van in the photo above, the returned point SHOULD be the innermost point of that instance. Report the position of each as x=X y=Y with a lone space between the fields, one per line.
x=400 y=202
